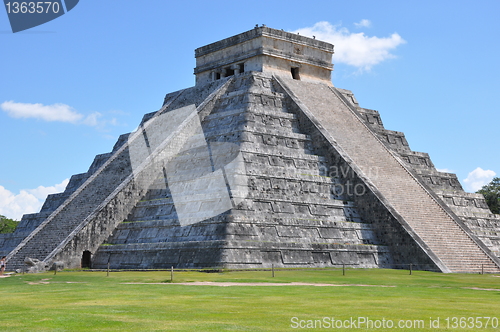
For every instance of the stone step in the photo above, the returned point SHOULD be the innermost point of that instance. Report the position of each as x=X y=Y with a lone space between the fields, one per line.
x=394 y=182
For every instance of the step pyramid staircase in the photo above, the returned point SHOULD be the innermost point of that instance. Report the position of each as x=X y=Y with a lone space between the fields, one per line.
x=442 y=234
x=262 y=163
x=91 y=212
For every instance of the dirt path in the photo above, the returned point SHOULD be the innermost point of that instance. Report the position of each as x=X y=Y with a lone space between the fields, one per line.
x=485 y=289
x=229 y=284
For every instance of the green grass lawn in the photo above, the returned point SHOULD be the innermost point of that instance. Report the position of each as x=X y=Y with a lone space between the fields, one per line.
x=148 y=301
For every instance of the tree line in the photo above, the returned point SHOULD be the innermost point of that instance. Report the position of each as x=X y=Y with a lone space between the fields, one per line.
x=491 y=193
x=7 y=225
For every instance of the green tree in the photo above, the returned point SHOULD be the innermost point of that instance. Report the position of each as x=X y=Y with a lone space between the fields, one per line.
x=491 y=193
x=7 y=225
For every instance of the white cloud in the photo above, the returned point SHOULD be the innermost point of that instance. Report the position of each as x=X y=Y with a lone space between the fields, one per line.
x=92 y=119
x=354 y=49
x=478 y=178
x=98 y=121
x=42 y=192
x=363 y=24
x=27 y=201
x=56 y=112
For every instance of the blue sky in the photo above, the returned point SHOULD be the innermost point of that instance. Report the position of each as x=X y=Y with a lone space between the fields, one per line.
x=70 y=87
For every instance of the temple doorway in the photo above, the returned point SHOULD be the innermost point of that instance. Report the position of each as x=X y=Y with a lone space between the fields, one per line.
x=87 y=259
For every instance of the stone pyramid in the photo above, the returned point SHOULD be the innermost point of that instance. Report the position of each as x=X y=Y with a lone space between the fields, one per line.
x=263 y=162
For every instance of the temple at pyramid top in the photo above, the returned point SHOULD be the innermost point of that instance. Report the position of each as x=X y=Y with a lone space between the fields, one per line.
x=264 y=49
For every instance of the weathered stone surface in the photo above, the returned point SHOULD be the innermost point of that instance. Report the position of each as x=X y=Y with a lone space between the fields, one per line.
x=35 y=266
x=249 y=168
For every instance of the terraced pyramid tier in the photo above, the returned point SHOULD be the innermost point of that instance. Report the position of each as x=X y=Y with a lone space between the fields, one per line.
x=262 y=163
